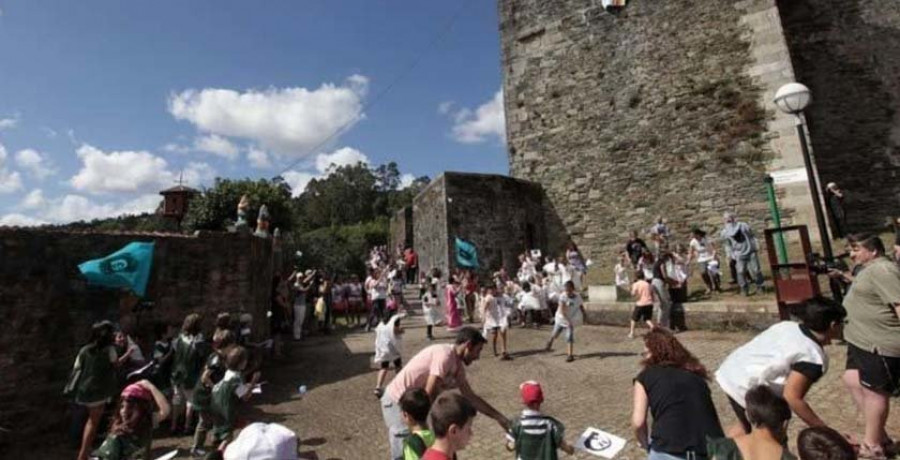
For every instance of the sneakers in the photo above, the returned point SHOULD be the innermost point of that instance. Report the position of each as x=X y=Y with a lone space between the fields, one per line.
x=197 y=452
x=570 y=358
x=378 y=393
x=505 y=357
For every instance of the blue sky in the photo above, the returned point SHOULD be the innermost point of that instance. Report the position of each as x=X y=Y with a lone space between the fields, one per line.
x=105 y=102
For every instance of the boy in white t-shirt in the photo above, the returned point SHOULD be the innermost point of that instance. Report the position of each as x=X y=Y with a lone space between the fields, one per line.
x=788 y=357
x=569 y=312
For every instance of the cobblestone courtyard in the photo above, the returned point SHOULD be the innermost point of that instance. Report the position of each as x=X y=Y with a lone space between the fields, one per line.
x=340 y=418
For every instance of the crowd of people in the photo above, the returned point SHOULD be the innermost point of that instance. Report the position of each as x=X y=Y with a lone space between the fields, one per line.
x=766 y=380
x=194 y=379
x=198 y=383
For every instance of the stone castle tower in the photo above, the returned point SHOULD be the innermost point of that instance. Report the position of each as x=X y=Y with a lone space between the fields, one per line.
x=666 y=109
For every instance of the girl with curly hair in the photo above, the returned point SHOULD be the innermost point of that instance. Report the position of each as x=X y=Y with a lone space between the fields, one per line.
x=673 y=388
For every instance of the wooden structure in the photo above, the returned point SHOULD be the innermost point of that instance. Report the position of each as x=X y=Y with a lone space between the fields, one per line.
x=795 y=281
x=176 y=201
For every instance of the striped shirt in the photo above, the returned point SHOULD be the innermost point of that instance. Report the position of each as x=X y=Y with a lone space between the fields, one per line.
x=536 y=436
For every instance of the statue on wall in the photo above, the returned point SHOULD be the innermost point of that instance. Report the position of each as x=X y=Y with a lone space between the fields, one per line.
x=262 y=222
x=242 y=208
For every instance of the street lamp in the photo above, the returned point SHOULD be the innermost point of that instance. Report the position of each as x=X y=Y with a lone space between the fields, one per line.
x=793 y=98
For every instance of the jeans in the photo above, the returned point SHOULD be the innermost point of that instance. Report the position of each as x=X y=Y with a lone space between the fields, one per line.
x=665 y=302
x=299 y=316
x=570 y=333
x=749 y=263
x=397 y=429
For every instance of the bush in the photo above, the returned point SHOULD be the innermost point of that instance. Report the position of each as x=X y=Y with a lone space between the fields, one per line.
x=342 y=250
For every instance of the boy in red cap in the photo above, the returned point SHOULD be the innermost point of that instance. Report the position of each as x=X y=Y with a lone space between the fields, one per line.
x=535 y=436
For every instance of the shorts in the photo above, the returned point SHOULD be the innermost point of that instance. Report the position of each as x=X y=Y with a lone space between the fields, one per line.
x=642 y=313
x=570 y=332
x=876 y=372
x=181 y=395
x=398 y=363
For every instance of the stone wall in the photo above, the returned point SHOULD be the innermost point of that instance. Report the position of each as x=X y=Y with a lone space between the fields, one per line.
x=401 y=229
x=500 y=215
x=430 y=226
x=503 y=217
x=622 y=118
x=48 y=308
x=848 y=53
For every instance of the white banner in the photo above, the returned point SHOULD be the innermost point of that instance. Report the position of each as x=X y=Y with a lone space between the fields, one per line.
x=600 y=443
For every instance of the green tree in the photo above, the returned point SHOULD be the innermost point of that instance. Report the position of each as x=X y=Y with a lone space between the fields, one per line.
x=216 y=207
x=344 y=197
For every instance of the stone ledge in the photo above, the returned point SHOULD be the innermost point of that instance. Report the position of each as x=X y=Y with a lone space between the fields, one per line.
x=752 y=315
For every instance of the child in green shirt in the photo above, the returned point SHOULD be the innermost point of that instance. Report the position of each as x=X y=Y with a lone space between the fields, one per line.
x=535 y=436
x=414 y=407
x=213 y=373
x=141 y=407
x=228 y=393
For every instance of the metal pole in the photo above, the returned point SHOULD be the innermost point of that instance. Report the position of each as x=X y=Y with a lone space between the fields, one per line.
x=776 y=219
x=817 y=207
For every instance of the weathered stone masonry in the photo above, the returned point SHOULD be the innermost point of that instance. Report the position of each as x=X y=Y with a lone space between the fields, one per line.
x=665 y=109
x=502 y=216
x=47 y=308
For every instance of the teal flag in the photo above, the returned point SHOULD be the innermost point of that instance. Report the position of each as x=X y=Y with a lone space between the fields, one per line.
x=128 y=267
x=466 y=254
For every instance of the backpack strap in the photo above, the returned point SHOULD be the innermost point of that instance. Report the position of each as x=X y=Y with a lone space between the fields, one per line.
x=416 y=443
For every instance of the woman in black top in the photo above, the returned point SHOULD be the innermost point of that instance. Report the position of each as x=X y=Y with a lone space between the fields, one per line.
x=673 y=388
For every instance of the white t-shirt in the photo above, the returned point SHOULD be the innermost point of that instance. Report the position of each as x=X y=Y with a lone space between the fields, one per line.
x=529 y=301
x=622 y=278
x=701 y=246
x=769 y=358
x=572 y=307
x=387 y=344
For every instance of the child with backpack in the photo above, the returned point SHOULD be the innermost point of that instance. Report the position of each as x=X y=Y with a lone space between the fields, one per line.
x=535 y=436
x=414 y=407
x=228 y=393
x=213 y=373
x=187 y=365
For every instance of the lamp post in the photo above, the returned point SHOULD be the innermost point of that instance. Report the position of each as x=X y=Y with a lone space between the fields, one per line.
x=793 y=98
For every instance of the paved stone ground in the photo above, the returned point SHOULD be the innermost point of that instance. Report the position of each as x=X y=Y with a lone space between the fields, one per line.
x=340 y=418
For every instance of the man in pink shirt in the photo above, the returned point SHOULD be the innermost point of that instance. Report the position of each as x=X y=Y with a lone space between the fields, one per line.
x=436 y=368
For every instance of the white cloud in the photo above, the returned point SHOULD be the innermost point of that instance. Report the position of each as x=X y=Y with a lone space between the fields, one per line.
x=406 y=180
x=8 y=123
x=216 y=145
x=20 y=220
x=140 y=205
x=35 y=163
x=259 y=159
x=346 y=156
x=120 y=171
x=34 y=199
x=286 y=121
x=132 y=172
x=10 y=181
x=197 y=174
x=486 y=122
x=297 y=180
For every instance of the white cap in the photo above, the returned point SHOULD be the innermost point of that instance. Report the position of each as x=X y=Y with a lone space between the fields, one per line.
x=263 y=441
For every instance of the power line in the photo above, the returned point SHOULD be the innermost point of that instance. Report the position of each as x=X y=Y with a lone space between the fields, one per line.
x=440 y=35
